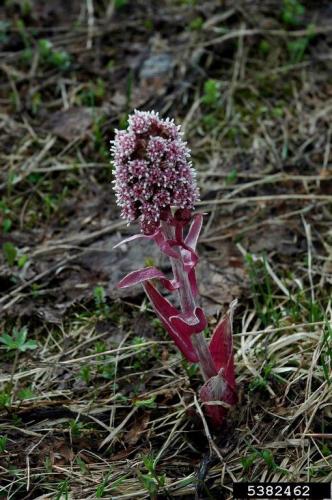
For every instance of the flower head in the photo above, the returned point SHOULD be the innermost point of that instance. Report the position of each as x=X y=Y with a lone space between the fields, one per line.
x=153 y=170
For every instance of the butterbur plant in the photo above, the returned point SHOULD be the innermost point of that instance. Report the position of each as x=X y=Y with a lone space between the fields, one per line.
x=155 y=184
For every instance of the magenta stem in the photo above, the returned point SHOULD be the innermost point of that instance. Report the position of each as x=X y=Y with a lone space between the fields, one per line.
x=188 y=306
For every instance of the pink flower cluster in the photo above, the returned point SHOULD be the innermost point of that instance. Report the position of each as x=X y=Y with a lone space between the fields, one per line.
x=152 y=170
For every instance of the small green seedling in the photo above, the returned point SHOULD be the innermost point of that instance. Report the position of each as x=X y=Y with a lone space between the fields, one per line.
x=141 y=354
x=60 y=59
x=36 y=102
x=101 y=489
x=265 y=455
x=6 y=225
x=63 y=491
x=25 y=394
x=100 y=346
x=149 y=262
x=21 y=28
x=26 y=8
x=151 y=481
x=248 y=461
x=3 y=443
x=298 y=47
x=26 y=56
x=18 y=340
x=264 y=47
x=22 y=260
x=45 y=48
x=196 y=24
x=99 y=296
x=292 y=12
x=119 y=4
x=108 y=368
x=326 y=451
x=260 y=382
x=191 y=369
x=82 y=465
x=76 y=428
x=211 y=95
x=85 y=373
x=146 y=403
x=48 y=465
x=5 y=399
x=148 y=24
x=231 y=177
x=57 y=58
x=10 y=253
x=210 y=121
x=18 y=343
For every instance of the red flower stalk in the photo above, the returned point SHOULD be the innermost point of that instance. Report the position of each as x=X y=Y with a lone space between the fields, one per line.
x=155 y=183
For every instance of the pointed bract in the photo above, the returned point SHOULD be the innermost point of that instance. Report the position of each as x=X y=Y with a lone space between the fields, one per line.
x=146 y=274
x=221 y=346
x=194 y=231
x=219 y=396
x=165 y=311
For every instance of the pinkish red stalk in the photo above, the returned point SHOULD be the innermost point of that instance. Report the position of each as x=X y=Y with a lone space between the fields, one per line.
x=153 y=174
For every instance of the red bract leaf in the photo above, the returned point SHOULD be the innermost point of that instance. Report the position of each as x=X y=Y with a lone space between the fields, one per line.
x=164 y=244
x=187 y=324
x=131 y=238
x=217 y=389
x=159 y=239
x=193 y=232
x=165 y=311
x=145 y=274
x=221 y=346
